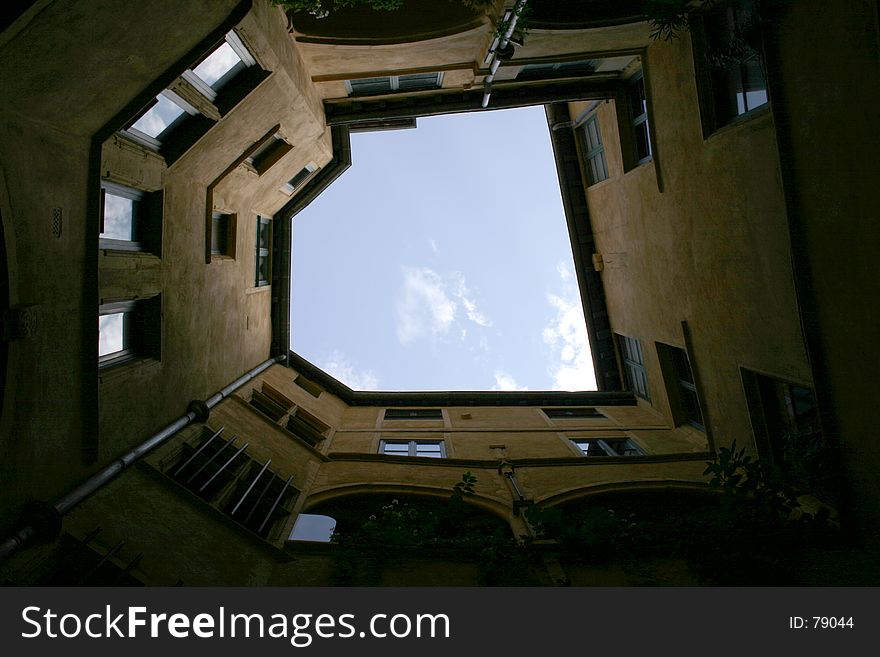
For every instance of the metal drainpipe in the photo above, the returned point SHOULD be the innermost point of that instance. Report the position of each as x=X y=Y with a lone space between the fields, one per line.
x=501 y=45
x=50 y=515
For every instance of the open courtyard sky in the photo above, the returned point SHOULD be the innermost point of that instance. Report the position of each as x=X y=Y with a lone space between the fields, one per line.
x=440 y=261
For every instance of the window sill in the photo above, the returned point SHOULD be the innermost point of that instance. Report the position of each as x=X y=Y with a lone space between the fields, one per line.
x=114 y=252
x=601 y=183
x=219 y=258
x=110 y=372
x=754 y=115
x=641 y=165
x=257 y=290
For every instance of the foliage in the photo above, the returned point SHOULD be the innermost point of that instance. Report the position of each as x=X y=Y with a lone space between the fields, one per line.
x=669 y=18
x=323 y=8
x=750 y=485
x=400 y=529
x=523 y=15
x=317 y=9
x=812 y=464
x=594 y=534
x=752 y=533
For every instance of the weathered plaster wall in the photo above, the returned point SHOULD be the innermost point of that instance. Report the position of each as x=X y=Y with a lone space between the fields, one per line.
x=711 y=249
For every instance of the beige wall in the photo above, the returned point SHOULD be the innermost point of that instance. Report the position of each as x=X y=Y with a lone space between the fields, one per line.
x=710 y=249
x=52 y=106
x=185 y=538
x=215 y=324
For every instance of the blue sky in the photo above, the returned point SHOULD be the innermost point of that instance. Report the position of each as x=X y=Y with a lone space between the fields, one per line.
x=440 y=261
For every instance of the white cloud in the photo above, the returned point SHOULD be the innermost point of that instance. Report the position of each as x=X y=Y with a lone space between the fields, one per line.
x=564 y=271
x=504 y=381
x=572 y=363
x=429 y=304
x=425 y=308
x=470 y=307
x=434 y=247
x=338 y=366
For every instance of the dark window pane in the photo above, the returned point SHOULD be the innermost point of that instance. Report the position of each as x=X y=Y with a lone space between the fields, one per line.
x=643 y=142
x=413 y=413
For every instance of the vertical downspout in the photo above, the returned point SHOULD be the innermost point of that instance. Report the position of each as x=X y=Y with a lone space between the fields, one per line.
x=501 y=44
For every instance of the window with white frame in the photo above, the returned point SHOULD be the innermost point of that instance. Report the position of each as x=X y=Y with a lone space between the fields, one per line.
x=413 y=414
x=219 y=66
x=299 y=179
x=130 y=218
x=593 y=151
x=638 y=116
x=263 y=252
x=427 y=448
x=607 y=447
x=167 y=111
x=128 y=330
x=195 y=94
x=572 y=413
x=634 y=366
x=729 y=65
x=394 y=84
x=681 y=386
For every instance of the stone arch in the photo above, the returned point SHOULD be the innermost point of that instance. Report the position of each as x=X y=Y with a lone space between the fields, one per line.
x=578 y=493
x=501 y=509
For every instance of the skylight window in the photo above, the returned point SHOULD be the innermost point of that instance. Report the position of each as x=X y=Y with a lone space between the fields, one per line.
x=217 y=64
x=119 y=212
x=394 y=83
x=441 y=260
x=111 y=335
x=220 y=66
x=165 y=113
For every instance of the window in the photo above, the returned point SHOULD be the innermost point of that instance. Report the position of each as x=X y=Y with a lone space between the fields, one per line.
x=194 y=101
x=307 y=426
x=312 y=527
x=634 y=366
x=557 y=70
x=638 y=114
x=114 y=335
x=413 y=414
x=299 y=179
x=394 y=83
x=128 y=330
x=680 y=385
x=308 y=385
x=571 y=413
x=730 y=71
x=219 y=66
x=270 y=402
x=427 y=448
x=607 y=447
x=593 y=151
x=164 y=115
x=268 y=153
x=131 y=219
x=263 y=251
x=222 y=474
x=223 y=234
x=785 y=420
